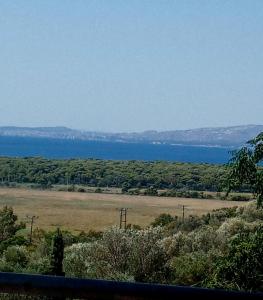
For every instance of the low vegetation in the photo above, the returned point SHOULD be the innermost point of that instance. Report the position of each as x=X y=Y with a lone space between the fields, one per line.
x=220 y=249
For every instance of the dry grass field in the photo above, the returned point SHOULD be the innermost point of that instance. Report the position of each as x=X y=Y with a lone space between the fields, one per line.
x=83 y=211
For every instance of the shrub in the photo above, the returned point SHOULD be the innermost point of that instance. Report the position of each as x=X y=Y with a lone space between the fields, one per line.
x=162 y=220
x=120 y=254
x=90 y=236
x=239 y=198
x=233 y=226
x=13 y=241
x=151 y=191
x=71 y=188
x=191 y=268
x=177 y=244
x=77 y=262
x=8 y=223
x=251 y=213
x=242 y=268
x=14 y=259
x=39 y=265
x=148 y=258
x=187 y=224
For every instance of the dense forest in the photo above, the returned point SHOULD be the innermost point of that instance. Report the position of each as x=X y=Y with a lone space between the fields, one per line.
x=106 y=173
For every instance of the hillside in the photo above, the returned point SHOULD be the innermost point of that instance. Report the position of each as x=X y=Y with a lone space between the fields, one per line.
x=211 y=136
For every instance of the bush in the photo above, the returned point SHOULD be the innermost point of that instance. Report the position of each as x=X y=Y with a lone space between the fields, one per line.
x=234 y=226
x=162 y=220
x=39 y=265
x=191 y=268
x=71 y=188
x=239 y=198
x=242 y=268
x=13 y=241
x=8 y=223
x=148 y=259
x=90 y=236
x=151 y=191
x=251 y=213
x=120 y=254
x=187 y=224
x=76 y=261
x=14 y=259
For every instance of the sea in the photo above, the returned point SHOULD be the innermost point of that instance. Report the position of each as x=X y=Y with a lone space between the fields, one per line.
x=74 y=149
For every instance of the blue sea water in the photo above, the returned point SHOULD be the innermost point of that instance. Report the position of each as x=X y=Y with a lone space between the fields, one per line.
x=65 y=149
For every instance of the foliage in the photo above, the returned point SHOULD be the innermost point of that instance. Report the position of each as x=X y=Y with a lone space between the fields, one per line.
x=192 y=268
x=151 y=191
x=89 y=236
x=14 y=259
x=148 y=258
x=242 y=268
x=162 y=220
x=57 y=254
x=8 y=225
x=13 y=241
x=246 y=168
x=240 y=198
x=128 y=175
x=187 y=194
x=77 y=263
x=134 y=254
x=39 y=265
x=221 y=249
x=187 y=224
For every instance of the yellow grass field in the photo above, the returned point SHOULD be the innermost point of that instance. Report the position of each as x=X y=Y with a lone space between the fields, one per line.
x=83 y=211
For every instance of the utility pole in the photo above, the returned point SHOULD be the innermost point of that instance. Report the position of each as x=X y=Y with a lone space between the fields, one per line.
x=32 y=219
x=183 y=207
x=67 y=181
x=123 y=217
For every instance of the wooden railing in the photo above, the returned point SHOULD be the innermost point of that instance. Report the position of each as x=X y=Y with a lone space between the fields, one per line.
x=73 y=288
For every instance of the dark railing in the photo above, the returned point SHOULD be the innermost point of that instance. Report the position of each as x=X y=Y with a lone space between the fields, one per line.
x=61 y=288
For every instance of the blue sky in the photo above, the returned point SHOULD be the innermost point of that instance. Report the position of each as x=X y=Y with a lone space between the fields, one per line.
x=131 y=65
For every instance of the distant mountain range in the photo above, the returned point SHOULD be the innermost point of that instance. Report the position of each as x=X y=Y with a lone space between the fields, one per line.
x=211 y=136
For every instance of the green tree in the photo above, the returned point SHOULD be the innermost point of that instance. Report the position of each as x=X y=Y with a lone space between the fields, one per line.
x=242 y=268
x=162 y=220
x=14 y=259
x=57 y=255
x=8 y=224
x=246 y=168
x=125 y=187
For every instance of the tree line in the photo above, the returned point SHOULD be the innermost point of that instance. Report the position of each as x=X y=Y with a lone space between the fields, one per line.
x=107 y=173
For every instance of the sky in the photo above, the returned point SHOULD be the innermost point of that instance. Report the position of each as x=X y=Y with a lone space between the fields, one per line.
x=131 y=65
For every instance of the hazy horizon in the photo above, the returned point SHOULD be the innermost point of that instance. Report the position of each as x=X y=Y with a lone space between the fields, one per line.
x=117 y=66
x=89 y=130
